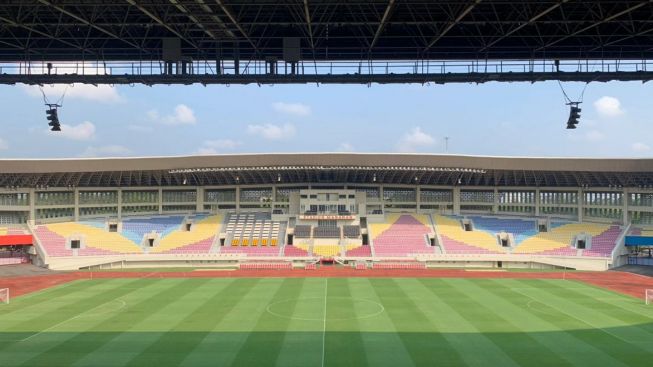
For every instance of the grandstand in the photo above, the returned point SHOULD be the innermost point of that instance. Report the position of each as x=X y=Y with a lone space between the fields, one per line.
x=464 y=211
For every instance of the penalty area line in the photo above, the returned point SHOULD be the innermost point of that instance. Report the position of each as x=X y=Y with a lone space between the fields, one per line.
x=73 y=318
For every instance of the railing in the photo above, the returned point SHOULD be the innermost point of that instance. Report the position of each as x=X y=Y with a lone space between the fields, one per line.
x=125 y=72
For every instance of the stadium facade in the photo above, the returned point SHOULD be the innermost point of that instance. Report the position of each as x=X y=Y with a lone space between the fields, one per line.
x=295 y=209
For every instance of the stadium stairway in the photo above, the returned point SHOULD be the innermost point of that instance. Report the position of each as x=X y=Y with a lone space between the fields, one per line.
x=401 y=235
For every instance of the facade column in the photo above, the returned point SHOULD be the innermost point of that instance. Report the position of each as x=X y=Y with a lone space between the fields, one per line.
x=160 y=201
x=199 y=206
x=76 y=198
x=237 y=198
x=119 y=211
x=495 y=202
x=456 y=200
x=625 y=197
x=581 y=205
x=32 y=201
x=418 y=200
x=537 y=202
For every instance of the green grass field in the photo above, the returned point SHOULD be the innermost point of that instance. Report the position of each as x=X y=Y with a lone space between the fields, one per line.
x=325 y=322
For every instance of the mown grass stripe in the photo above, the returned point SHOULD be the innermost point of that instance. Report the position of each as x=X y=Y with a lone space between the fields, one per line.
x=175 y=344
x=503 y=329
x=456 y=332
x=126 y=337
x=593 y=345
x=627 y=337
x=67 y=307
x=383 y=345
x=344 y=343
x=240 y=313
x=83 y=335
x=303 y=337
x=631 y=311
x=414 y=328
x=267 y=337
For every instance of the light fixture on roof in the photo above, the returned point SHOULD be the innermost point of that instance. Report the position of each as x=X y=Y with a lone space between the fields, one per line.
x=574 y=115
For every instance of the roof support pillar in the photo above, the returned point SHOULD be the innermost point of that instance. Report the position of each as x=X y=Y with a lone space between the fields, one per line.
x=580 y=205
x=456 y=200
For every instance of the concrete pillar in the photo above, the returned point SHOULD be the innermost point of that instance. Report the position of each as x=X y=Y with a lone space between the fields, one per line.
x=76 y=198
x=32 y=201
x=626 y=194
x=200 y=199
x=119 y=212
x=237 y=198
x=418 y=201
x=495 y=201
x=537 y=202
x=456 y=200
x=580 y=205
x=160 y=200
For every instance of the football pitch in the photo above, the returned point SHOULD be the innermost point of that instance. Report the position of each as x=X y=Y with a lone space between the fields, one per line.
x=325 y=322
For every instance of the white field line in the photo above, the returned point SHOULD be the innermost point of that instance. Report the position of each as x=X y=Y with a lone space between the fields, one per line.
x=75 y=317
x=326 y=288
x=569 y=314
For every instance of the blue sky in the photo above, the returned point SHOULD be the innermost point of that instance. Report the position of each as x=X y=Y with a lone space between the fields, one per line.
x=516 y=119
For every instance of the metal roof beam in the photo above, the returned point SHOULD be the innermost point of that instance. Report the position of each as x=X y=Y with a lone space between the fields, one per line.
x=446 y=30
x=596 y=24
x=521 y=26
x=84 y=21
x=12 y=23
x=379 y=29
x=233 y=20
x=161 y=22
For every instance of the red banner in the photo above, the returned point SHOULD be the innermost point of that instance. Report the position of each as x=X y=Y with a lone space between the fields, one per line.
x=16 y=239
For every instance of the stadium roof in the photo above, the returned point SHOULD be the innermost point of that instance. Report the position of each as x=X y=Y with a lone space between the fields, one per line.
x=328 y=29
x=328 y=168
x=105 y=32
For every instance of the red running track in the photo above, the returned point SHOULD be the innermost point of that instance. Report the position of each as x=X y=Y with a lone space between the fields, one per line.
x=626 y=283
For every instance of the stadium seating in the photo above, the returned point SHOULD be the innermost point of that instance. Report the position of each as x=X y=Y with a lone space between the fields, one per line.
x=401 y=235
x=520 y=228
x=328 y=250
x=97 y=241
x=254 y=229
x=136 y=228
x=302 y=231
x=559 y=239
x=326 y=232
x=266 y=266
x=198 y=240
x=386 y=265
x=251 y=250
x=455 y=240
x=294 y=251
x=603 y=244
x=360 y=251
x=351 y=231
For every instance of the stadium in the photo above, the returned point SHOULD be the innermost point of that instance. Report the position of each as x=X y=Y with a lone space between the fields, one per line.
x=286 y=257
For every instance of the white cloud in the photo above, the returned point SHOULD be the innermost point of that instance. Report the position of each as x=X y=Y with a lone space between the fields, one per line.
x=101 y=93
x=272 y=132
x=608 y=106
x=215 y=146
x=106 y=151
x=640 y=147
x=83 y=131
x=294 y=109
x=345 y=147
x=3 y=144
x=182 y=115
x=414 y=140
